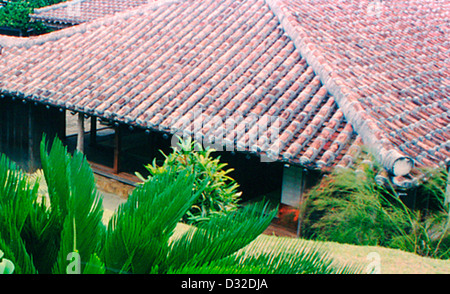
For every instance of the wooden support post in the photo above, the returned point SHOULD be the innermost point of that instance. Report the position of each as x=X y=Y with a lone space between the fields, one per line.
x=117 y=147
x=63 y=131
x=80 y=132
x=93 y=133
x=447 y=188
x=31 y=158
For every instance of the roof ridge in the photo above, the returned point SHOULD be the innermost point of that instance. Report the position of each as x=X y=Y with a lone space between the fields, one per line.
x=27 y=42
x=383 y=149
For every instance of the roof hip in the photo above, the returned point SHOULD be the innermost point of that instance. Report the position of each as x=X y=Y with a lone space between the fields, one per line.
x=389 y=156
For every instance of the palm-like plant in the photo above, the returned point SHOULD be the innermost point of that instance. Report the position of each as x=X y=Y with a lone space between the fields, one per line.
x=38 y=235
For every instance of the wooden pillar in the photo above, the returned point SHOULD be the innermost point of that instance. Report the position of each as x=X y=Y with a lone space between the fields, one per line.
x=447 y=188
x=63 y=134
x=117 y=148
x=80 y=132
x=31 y=159
x=93 y=133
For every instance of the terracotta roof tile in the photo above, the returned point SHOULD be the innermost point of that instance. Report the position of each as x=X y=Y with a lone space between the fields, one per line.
x=226 y=71
x=391 y=56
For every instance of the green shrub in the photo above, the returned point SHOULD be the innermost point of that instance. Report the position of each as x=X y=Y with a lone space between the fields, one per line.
x=219 y=194
x=65 y=233
x=348 y=206
x=430 y=222
x=16 y=14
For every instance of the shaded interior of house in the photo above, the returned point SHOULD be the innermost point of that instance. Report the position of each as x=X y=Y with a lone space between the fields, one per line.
x=119 y=151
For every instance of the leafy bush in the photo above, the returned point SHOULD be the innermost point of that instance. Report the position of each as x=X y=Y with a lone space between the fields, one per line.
x=39 y=235
x=219 y=191
x=348 y=206
x=16 y=14
x=429 y=233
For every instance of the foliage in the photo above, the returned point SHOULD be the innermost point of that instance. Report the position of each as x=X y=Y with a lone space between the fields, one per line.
x=16 y=203
x=294 y=258
x=16 y=14
x=219 y=191
x=429 y=233
x=348 y=206
x=38 y=235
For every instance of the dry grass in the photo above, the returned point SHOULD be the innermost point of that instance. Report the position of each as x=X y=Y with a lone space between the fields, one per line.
x=392 y=261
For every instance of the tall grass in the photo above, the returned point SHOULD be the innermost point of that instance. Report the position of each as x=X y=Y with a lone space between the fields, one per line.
x=348 y=206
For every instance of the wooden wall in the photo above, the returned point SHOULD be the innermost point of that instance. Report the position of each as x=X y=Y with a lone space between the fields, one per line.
x=22 y=125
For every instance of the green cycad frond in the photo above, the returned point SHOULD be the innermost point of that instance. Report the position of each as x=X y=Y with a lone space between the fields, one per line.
x=138 y=233
x=94 y=266
x=54 y=164
x=17 y=196
x=220 y=237
x=290 y=256
x=281 y=257
x=74 y=198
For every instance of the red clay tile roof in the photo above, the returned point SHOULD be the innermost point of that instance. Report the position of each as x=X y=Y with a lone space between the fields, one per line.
x=302 y=73
x=386 y=64
x=224 y=70
x=79 y=11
